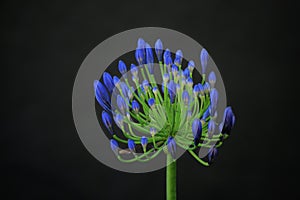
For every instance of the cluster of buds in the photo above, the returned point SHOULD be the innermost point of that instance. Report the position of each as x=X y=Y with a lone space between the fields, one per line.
x=179 y=112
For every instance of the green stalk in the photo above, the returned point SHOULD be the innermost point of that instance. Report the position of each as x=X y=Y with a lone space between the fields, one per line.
x=171 y=178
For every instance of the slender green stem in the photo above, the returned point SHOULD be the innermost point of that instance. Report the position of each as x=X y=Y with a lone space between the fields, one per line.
x=171 y=178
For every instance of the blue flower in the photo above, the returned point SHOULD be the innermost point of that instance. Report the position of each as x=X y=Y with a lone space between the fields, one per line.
x=204 y=59
x=171 y=145
x=153 y=131
x=167 y=54
x=211 y=127
x=134 y=70
x=155 y=90
x=108 y=82
x=191 y=66
x=140 y=56
x=141 y=43
x=197 y=131
x=149 y=58
x=119 y=120
x=172 y=90
x=144 y=141
x=124 y=89
x=228 y=121
x=185 y=97
x=206 y=114
x=151 y=102
x=174 y=70
x=212 y=79
x=159 y=49
x=107 y=120
x=135 y=106
x=196 y=90
x=213 y=101
x=114 y=146
x=189 y=82
x=102 y=96
x=131 y=145
x=122 y=104
x=122 y=67
x=166 y=77
x=168 y=61
x=206 y=87
x=212 y=154
x=116 y=81
x=186 y=73
x=146 y=85
x=178 y=57
x=201 y=88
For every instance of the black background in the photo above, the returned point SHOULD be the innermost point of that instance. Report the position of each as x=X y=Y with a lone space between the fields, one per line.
x=43 y=44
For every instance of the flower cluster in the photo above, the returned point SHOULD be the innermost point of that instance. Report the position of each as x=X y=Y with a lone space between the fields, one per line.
x=179 y=112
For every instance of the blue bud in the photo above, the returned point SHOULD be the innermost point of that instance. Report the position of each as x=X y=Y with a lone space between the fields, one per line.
x=144 y=141
x=204 y=59
x=197 y=131
x=108 y=82
x=196 y=90
x=171 y=145
x=114 y=146
x=166 y=77
x=131 y=145
x=189 y=82
x=141 y=43
x=134 y=70
x=172 y=90
x=116 y=81
x=135 y=106
x=102 y=96
x=201 y=88
x=153 y=131
x=168 y=61
x=185 y=97
x=206 y=114
x=211 y=127
x=228 y=121
x=167 y=54
x=155 y=90
x=140 y=56
x=119 y=120
x=212 y=154
x=174 y=70
x=212 y=79
x=122 y=104
x=122 y=67
x=146 y=85
x=159 y=49
x=130 y=94
x=178 y=57
x=213 y=101
x=124 y=89
x=151 y=102
x=149 y=54
x=191 y=66
x=206 y=87
x=186 y=73
x=107 y=121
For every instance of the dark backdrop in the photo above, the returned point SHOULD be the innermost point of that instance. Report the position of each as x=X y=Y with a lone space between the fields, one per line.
x=43 y=44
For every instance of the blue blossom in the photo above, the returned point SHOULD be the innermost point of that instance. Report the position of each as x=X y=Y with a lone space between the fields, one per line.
x=201 y=88
x=159 y=49
x=174 y=70
x=189 y=82
x=178 y=57
x=134 y=70
x=141 y=43
x=116 y=81
x=114 y=146
x=185 y=97
x=135 y=106
x=153 y=131
x=167 y=54
x=197 y=131
x=196 y=90
x=206 y=87
x=149 y=58
x=171 y=145
x=151 y=102
x=108 y=82
x=146 y=85
x=212 y=79
x=206 y=114
x=166 y=77
x=122 y=104
x=204 y=60
x=172 y=90
x=107 y=121
x=102 y=96
x=119 y=120
x=211 y=127
x=122 y=67
x=131 y=145
x=212 y=154
x=140 y=56
x=213 y=101
x=228 y=121
x=155 y=90
x=191 y=66
x=144 y=141
x=186 y=73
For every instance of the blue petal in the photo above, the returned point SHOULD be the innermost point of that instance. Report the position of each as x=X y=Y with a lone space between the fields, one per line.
x=107 y=120
x=159 y=49
x=204 y=59
x=108 y=81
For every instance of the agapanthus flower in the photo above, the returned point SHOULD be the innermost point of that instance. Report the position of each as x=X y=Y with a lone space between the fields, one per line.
x=180 y=112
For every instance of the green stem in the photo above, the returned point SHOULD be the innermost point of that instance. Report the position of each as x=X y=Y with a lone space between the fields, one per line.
x=171 y=178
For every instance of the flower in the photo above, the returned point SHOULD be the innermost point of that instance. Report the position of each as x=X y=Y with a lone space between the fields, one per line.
x=106 y=118
x=131 y=145
x=228 y=121
x=171 y=145
x=182 y=105
x=197 y=131
x=204 y=59
x=159 y=49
